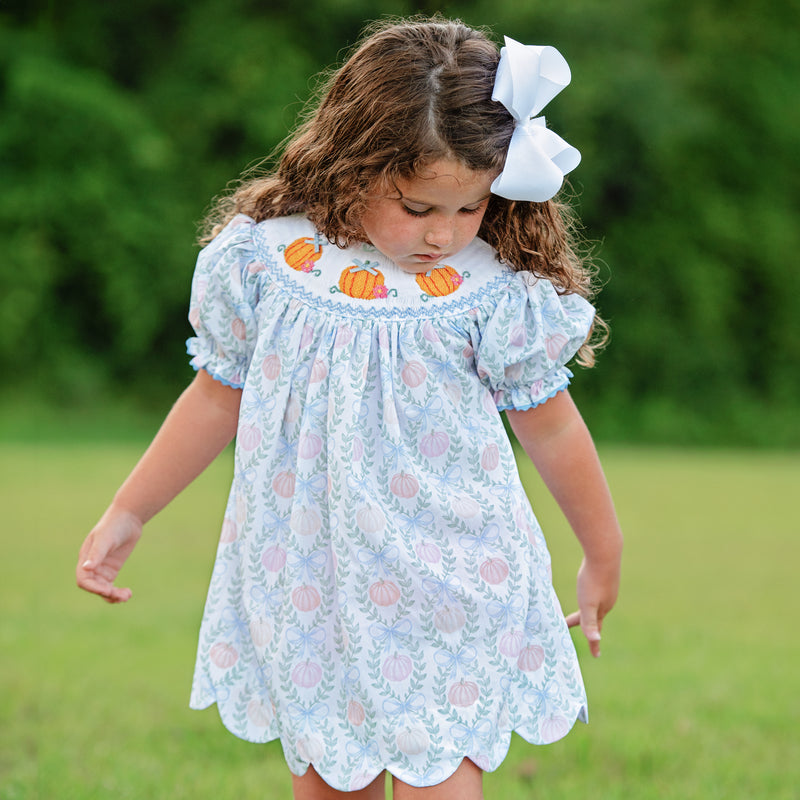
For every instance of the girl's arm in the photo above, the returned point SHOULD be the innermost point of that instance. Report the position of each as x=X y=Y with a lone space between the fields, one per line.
x=200 y=425
x=558 y=442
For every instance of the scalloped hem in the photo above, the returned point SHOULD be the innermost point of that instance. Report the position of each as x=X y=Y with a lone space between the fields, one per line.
x=433 y=776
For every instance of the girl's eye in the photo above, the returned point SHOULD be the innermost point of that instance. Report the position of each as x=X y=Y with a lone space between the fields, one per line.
x=427 y=211
x=415 y=213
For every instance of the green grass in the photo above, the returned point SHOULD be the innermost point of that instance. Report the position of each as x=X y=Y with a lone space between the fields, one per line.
x=697 y=694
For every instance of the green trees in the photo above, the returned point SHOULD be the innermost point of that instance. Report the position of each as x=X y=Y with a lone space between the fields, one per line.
x=118 y=123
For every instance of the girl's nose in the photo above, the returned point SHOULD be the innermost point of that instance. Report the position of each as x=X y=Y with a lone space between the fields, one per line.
x=439 y=234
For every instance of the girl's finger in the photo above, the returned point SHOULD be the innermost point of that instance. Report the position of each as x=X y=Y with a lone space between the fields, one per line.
x=573 y=619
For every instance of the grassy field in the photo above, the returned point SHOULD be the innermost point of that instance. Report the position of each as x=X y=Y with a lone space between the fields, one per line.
x=697 y=694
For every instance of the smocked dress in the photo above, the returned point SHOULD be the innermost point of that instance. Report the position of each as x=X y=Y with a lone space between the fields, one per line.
x=381 y=597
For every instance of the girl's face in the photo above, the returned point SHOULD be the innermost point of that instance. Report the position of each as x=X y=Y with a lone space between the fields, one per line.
x=428 y=218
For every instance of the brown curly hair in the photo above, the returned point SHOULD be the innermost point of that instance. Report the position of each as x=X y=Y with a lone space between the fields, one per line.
x=411 y=93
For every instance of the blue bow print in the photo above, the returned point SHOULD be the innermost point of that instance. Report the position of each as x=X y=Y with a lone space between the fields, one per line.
x=456 y=662
x=481 y=542
x=390 y=635
x=450 y=478
x=426 y=413
x=506 y=613
x=268 y=601
x=305 y=487
x=413 y=706
x=366 y=751
x=474 y=737
x=307 y=641
x=419 y=523
x=442 y=590
x=234 y=623
x=309 y=563
x=308 y=717
x=379 y=560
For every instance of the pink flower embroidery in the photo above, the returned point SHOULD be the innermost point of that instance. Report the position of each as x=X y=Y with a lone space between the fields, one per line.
x=456 y=279
x=380 y=291
x=307 y=266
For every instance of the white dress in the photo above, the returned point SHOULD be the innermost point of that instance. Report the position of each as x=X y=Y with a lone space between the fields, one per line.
x=381 y=597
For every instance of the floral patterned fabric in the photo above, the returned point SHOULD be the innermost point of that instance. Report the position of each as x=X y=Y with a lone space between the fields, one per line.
x=381 y=597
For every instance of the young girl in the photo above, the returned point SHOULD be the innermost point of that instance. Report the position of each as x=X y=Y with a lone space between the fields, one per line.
x=381 y=599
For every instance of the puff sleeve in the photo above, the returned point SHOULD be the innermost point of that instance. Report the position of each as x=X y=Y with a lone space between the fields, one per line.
x=223 y=304
x=526 y=340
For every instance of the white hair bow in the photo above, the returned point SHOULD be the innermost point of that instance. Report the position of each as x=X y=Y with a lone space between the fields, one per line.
x=528 y=78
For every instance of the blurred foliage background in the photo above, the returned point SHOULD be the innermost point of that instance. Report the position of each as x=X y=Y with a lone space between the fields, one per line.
x=120 y=121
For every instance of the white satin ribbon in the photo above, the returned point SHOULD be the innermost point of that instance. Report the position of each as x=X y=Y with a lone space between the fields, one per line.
x=528 y=78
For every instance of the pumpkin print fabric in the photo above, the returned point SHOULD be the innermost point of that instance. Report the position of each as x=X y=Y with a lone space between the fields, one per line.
x=381 y=597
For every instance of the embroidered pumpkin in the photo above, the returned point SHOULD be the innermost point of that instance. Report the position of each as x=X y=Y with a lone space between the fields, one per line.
x=439 y=281
x=355 y=713
x=404 y=485
x=397 y=667
x=384 y=593
x=224 y=655
x=363 y=281
x=494 y=570
x=449 y=619
x=306 y=674
x=412 y=741
x=530 y=658
x=463 y=694
x=305 y=598
x=303 y=254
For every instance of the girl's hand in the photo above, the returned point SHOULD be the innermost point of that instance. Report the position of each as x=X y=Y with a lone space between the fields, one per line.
x=103 y=553
x=196 y=430
x=597 y=592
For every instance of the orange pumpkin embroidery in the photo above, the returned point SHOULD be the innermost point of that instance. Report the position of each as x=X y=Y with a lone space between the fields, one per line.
x=363 y=281
x=439 y=281
x=303 y=254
